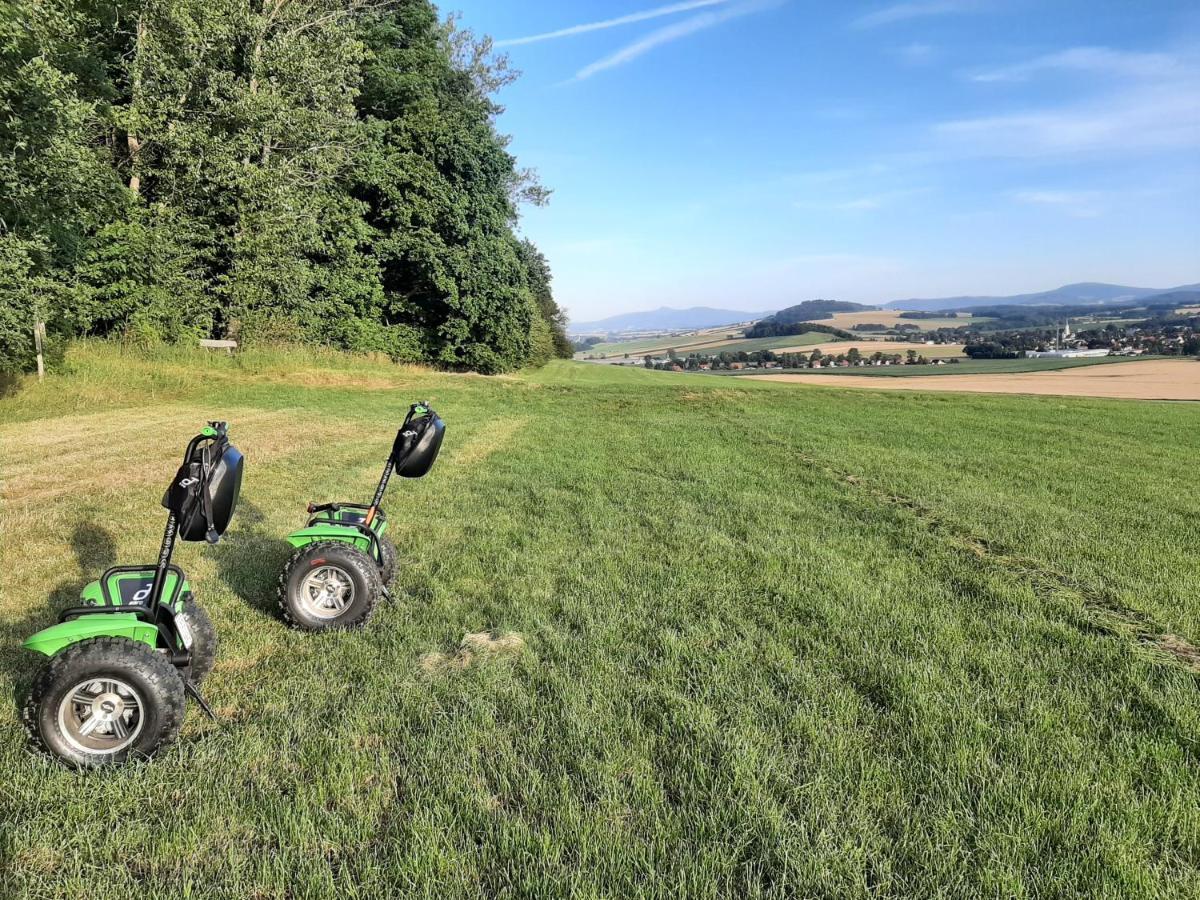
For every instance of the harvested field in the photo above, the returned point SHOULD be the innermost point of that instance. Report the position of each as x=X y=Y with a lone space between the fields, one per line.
x=893 y=317
x=1163 y=379
x=807 y=341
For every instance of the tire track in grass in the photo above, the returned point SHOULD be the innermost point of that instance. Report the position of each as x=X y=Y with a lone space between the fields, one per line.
x=1102 y=610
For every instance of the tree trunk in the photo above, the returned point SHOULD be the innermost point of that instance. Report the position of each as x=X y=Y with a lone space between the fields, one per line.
x=133 y=142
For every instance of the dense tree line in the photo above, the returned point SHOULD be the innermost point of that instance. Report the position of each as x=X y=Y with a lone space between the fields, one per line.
x=772 y=328
x=815 y=309
x=727 y=359
x=324 y=171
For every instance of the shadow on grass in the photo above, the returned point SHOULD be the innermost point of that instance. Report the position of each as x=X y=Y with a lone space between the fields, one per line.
x=250 y=558
x=95 y=550
x=9 y=384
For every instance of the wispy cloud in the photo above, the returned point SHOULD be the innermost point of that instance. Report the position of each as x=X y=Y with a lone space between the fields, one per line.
x=864 y=203
x=1150 y=102
x=901 y=12
x=631 y=19
x=834 y=176
x=675 y=32
x=875 y=201
x=1080 y=204
x=916 y=54
x=1160 y=118
x=1102 y=60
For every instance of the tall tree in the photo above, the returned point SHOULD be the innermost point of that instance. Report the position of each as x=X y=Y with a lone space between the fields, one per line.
x=537 y=269
x=319 y=170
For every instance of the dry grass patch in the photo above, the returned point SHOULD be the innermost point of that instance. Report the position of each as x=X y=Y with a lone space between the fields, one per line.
x=1180 y=648
x=44 y=460
x=476 y=647
x=891 y=318
x=332 y=379
x=240 y=664
x=1160 y=379
x=494 y=436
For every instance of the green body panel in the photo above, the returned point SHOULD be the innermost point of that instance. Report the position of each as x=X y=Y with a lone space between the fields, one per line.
x=92 y=595
x=327 y=526
x=132 y=586
x=51 y=640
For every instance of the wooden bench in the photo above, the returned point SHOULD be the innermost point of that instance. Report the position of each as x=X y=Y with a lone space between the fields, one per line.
x=229 y=346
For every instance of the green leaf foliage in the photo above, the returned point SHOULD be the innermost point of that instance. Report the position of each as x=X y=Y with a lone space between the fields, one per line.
x=324 y=171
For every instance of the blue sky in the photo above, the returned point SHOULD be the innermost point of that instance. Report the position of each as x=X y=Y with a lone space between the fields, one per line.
x=751 y=154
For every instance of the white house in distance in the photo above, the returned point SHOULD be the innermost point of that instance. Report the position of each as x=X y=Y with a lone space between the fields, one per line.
x=1062 y=350
x=1078 y=353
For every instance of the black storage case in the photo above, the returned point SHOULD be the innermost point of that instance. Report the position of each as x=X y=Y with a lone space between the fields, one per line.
x=417 y=446
x=214 y=469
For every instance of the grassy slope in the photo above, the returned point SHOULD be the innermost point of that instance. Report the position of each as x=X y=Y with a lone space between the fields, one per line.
x=750 y=345
x=649 y=344
x=780 y=640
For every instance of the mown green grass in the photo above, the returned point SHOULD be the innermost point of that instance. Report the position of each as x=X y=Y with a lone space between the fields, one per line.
x=752 y=345
x=656 y=343
x=779 y=641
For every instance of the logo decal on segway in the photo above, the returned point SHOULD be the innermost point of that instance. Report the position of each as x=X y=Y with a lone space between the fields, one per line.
x=135 y=591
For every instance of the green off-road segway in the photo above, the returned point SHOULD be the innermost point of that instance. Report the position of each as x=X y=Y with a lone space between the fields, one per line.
x=122 y=664
x=345 y=562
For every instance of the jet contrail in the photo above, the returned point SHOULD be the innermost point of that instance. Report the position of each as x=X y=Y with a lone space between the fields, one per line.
x=613 y=23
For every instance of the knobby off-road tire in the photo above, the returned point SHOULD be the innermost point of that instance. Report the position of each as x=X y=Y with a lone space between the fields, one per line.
x=387 y=564
x=203 y=633
x=329 y=586
x=103 y=701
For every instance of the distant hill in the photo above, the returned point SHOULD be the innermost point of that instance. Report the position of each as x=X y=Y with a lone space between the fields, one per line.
x=1189 y=296
x=1087 y=293
x=811 y=310
x=800 y=318
x=667 y=319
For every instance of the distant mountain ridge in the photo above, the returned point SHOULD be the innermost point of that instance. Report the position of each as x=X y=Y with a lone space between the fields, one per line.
x=1085 y=293
x=667 y=319
x=699 y=317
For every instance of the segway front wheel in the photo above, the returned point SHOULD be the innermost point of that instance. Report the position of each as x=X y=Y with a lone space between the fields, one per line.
x=200 y=636
x=387 y=561
x=329 y=586
x=105 y=700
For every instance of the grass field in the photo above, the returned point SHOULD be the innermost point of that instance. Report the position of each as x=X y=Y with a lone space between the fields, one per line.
x=749 y=640
x=714 y=344
x=1165 y=378
x=751 y=345
x=967 y=367
x=659 y=343
x=720 y=338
